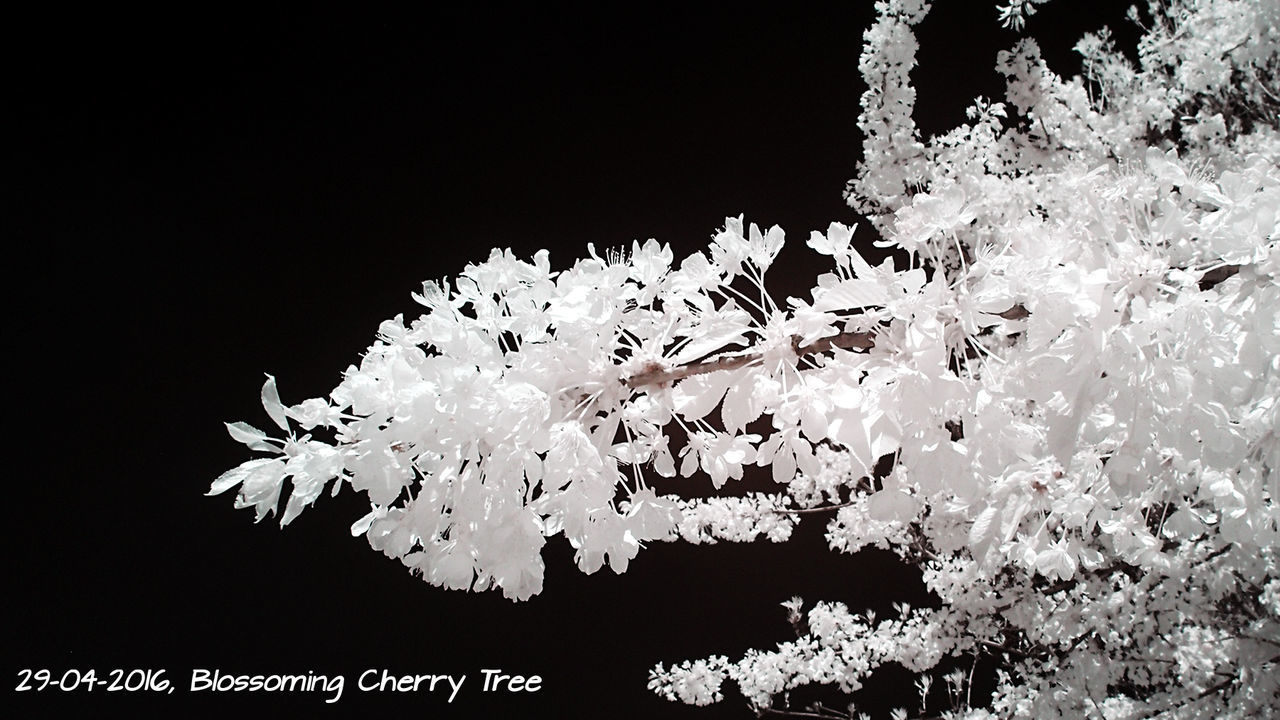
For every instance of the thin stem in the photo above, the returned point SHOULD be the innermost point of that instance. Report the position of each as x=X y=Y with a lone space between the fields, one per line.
x=635 y=467
x=743 y=298
x=806 y=511
x=658 y=376
x=799 y=713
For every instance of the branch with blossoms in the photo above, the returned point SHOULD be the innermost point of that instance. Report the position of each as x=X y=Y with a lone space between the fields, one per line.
x=597 y=377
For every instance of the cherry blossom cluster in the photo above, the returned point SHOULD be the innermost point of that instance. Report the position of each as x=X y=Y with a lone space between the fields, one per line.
x=524 y=404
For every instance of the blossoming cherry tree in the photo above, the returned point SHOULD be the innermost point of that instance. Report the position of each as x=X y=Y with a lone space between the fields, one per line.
x=1059 y=402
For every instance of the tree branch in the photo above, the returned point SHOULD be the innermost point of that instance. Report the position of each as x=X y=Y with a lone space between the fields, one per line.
x=861 y=340
x=806 y=511
x=1217 y=275
x=823 y=713
x=1187 y=701
x=660 y=375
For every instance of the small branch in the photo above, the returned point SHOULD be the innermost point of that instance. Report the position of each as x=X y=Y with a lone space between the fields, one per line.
x=1017 y=312
x=1209 y=691
x=1004 y=649
x=1255 y=638
x=828 y=715
x=1217 y=275
x=1213 y=555
x=1102 y=572
x=1060 y=585
x=1216 y=688
x=657 y=375
x=661 y=375
x=844 y=341
x=806 y=511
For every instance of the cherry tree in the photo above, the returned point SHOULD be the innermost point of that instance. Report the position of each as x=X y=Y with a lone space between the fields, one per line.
x=1058 y=399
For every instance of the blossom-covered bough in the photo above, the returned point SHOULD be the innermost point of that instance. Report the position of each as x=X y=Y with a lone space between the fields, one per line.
x=1062 y=408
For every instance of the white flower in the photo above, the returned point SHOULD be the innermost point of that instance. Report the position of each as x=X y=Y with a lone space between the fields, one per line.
x=1056 y=562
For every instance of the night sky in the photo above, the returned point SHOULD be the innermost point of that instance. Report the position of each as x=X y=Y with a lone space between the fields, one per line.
x=204 y=199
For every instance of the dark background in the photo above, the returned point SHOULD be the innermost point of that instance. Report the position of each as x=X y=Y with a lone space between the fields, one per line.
x=202 y=199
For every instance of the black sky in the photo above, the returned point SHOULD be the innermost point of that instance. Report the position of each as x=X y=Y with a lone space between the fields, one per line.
x=204 y=198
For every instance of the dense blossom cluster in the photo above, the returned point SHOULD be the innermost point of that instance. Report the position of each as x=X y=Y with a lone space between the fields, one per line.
x=1063 y=408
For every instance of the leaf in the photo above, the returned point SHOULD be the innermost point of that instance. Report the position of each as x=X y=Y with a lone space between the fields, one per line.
x=1016 y=508
x=784 y=467
x=912 y=280
x=892 y=506
x=861 y=268
x=813 y=422
x=306 y=489
x=714 y=331
x=261 y=488
x=982 y=532
x=662 y=460
x=651 y=517
x=738 y=409
x=293 y=508
x=849 y=294
x=867 y=436
x=851 y=429
x=1055 y=561
x=251 y=436
x=696 y=396
x=689 y=465
x=362 y=525
x=235 y=476
x=271 y=401
x=767 y=449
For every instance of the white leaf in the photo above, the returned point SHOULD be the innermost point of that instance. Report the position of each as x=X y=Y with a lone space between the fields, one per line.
x=261 y=488
x=362 y=525
x=1056 y=561
x=849 y=294
x=689 y=465
x=1016 y=508
x=714 y=331
x=738 y=409
x=235 y=476
x=892 y=506
x=912 y=280
x=767 y=449
x=251 y=436
x=696 y=396
x=784 y=467
x=813 y=422
x=861 y=268
x=848 y=431
x=982 y=531
x=652 y=517
x=271 y=401
x=293 y=508
x=662 y=460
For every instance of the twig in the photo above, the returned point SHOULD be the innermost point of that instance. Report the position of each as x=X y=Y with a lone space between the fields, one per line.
x=799 y=713
x=660 y=375
x=1217 y=275
x=805 y=511
x=1210 y=691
